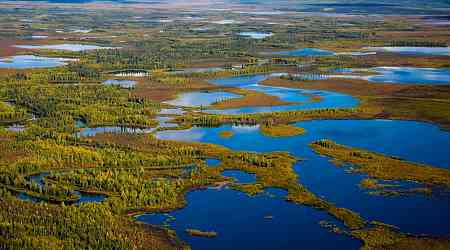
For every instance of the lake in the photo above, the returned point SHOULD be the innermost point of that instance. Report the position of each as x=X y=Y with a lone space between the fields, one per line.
x=66 y=46
x=435 y=51
x=256 y=35
x=324 y=179
x=195 y=99
x=31 y=61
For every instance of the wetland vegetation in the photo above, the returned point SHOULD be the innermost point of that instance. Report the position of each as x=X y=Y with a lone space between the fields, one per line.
x=174 y=125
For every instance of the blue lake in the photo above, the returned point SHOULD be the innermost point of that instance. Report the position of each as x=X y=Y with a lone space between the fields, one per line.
x=30 y=61
x=239 y=176
x=211 y=162
x=241 y=222
x=39 y=180
x=305 y=52
x=296 y=96
x=194 y=99
x=436 y=51
x=66 y=46
x=255 y=35
x=401 y=75
x=411 y=75
x=413 y=141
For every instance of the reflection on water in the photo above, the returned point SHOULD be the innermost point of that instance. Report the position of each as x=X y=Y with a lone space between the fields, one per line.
x=243 y=222
x=127 y=84
x=298 y=97
x=195 y=99
x=30 y=61
x=86 y=132
x=256 y=35
x=239 y=176
x=401 y=75
x=39 y=180
x=305 y=52
x=66 y=46
x=437 y=51
x=324 y=179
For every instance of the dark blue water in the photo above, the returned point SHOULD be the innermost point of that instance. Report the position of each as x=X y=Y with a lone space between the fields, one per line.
x=241 y=222
x=413 y=141
x=295 y=96
x=211 y=162
x=305 y=52
x=39 y=180
x=239 y=176
x=30 y=61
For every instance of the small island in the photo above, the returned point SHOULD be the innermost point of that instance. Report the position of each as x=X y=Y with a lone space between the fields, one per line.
x=225 y=134
x=282 y=130
x=198 y=233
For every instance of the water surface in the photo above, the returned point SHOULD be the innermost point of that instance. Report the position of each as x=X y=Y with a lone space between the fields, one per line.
x=435 y=51
x=127 y=84
x=411 y=75
x=305 y=52
x=87 y=132
x=66 y=46
x=195 y=99
x=298 y=98
x=425 y=214
x=400 y=75
x=242 y=222
x=31 y=61
x=256 y=35
x=239 y=176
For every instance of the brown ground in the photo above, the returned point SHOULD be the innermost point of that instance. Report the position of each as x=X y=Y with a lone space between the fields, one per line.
x=7 y=48
x=159 y=92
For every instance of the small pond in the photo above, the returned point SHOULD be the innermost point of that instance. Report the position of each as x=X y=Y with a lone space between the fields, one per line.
x=66 y=46
x=31 y=61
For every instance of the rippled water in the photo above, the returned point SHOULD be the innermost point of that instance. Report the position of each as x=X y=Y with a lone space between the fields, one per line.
x=242 y=222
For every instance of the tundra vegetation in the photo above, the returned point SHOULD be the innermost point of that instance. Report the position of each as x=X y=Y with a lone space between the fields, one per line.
x=138 y=173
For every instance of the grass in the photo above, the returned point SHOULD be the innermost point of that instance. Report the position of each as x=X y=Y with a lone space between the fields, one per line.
x=198 y=233
x=382 y=237
x=368 y=183
x=383 y=167
x=281 y=130
x=248 y=98
x=382 y=100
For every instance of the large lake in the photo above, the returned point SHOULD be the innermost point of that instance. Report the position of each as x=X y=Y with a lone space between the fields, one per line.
x=268 y=222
